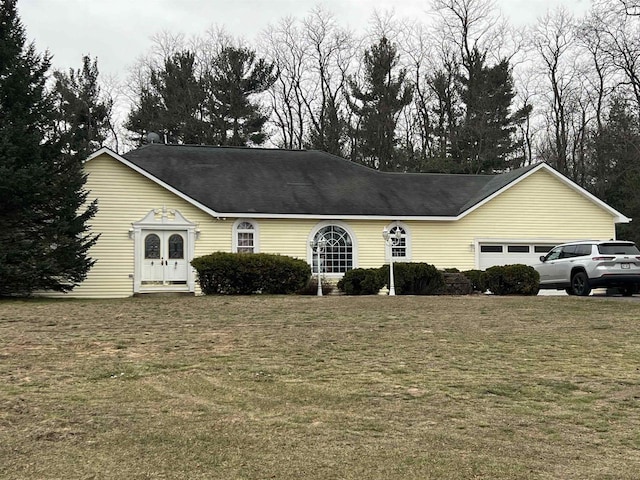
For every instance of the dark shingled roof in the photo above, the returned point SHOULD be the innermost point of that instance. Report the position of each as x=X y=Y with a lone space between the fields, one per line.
x=308 y=182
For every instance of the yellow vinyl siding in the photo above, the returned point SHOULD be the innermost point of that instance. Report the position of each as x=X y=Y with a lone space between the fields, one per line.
x=286 y=237
x=540 y=208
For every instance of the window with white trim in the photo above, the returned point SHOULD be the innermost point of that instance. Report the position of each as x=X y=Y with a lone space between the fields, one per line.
x=400 y=248
x=245 y=236
x=336 y=254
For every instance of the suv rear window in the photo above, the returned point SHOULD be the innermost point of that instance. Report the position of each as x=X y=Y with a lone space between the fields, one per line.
x=618 y=249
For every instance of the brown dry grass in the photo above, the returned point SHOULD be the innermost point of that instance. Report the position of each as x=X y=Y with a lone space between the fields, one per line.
x=315 y=388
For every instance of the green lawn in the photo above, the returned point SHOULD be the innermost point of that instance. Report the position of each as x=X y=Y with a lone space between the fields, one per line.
x=320 y=388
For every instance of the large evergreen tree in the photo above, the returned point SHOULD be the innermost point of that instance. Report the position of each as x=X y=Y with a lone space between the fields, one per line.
x=485 y=141
x=43 y=237
x=84 y=116
x=377 y=104
x=330 y=133
x=235 y=77
x=187 y=102
x=171 y=105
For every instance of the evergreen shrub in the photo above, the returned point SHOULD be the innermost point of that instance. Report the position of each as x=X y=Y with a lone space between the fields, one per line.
x=248 y=273
x=311 y=288
x=477 y=279
x=515 y=279
x=362 y=281
x=414 y=278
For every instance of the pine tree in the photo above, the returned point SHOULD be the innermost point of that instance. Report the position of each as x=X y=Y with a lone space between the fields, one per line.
x=146 y=116
x=330 y=133
x=84 y=116
x=377 y=104
x=44 y=240
x=236 y=75
x=446 y=115
x=485 y=141
x=171 y=104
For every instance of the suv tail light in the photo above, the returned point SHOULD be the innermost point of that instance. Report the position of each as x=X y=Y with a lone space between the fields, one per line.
x=602 y=259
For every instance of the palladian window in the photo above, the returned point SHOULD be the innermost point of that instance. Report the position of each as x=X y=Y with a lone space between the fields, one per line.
x=336 y=252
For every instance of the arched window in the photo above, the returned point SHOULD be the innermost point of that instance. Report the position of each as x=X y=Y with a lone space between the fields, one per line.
x=336 y=254
x=152 y=246
x=176 y=246
x=400 y=249
x=245 y=236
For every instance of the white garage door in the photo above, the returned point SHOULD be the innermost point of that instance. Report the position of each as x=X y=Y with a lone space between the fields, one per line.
x=509 y=253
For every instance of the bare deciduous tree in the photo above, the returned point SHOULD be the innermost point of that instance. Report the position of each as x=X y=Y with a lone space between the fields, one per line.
x=553 y=38
x=314 y=56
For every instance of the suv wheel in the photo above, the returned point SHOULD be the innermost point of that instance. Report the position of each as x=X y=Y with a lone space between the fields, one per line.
x=627 y=291
x=580 y=284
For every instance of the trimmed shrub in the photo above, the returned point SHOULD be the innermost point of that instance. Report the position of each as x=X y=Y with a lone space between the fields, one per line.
x=311 y=288
x=247 y=273
x=477 y=279
x=415 y=278
x=515 y=279
x=361 y=281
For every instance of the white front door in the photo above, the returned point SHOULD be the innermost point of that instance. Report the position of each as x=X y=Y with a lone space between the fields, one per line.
x=164 y=245
x=164 y=261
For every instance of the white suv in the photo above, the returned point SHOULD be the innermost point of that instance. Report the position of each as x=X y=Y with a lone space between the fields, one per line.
x=580 y=266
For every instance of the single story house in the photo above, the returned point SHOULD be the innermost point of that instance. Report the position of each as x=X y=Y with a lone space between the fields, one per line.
x=162 y=205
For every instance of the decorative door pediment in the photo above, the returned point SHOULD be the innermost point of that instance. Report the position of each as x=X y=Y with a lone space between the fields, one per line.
x=158 y=217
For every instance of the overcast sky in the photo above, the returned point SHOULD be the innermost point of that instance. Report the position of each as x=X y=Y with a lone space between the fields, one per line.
x=119 y=31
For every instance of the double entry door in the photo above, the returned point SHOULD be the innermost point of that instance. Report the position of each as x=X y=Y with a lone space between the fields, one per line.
x=164 y=260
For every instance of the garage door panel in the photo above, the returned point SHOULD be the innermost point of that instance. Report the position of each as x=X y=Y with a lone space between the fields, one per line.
x=509 y=253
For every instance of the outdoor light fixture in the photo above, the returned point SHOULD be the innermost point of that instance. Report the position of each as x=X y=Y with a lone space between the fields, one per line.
x=318 y=246
x=391 y=241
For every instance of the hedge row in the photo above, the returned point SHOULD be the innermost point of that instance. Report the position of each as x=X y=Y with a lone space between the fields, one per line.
x=244 y=274
x=425 y=279
x=410 y=279
x=247 y=273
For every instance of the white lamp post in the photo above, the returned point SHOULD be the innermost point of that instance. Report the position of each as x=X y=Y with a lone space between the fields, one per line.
x=391 y=241
x=319 y=247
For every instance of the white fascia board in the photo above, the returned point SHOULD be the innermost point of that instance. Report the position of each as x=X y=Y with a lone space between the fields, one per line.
x=619 y=217
x=124 y=161
x=99 y=152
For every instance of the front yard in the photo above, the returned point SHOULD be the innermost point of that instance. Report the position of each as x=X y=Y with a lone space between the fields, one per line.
x=316 y=388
